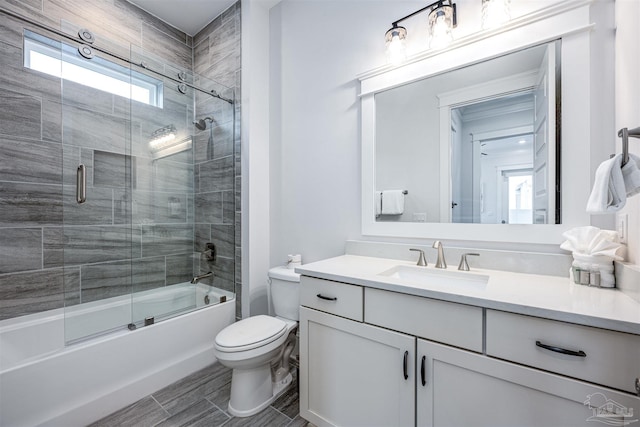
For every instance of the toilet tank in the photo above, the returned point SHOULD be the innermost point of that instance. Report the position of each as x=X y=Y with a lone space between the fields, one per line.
x=285 y=293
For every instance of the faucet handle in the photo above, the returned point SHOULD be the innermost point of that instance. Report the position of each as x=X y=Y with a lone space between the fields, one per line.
x=464 y=265
x=422 y=260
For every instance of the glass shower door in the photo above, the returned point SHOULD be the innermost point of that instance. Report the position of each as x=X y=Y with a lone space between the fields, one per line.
x=98 y=243
x=162 y=202
x=149 y=190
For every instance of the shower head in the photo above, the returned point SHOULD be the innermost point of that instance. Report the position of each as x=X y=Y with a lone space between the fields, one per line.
x=202 y=123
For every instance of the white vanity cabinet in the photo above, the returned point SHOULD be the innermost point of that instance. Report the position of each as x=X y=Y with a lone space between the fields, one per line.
x=372 y=357
x=354 y=374
x=467 y=389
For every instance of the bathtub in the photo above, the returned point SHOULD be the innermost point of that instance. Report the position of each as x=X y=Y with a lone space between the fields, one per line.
x=44 y=382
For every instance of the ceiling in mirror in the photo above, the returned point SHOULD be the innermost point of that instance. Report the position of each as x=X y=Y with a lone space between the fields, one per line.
x=473 y=145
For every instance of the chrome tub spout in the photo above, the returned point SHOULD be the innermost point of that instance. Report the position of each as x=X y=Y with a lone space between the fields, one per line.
x=200 y=277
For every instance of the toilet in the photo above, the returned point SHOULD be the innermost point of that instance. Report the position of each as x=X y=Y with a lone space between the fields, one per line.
x=258 y=348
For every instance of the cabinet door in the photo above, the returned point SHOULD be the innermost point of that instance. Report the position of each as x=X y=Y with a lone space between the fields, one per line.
x=467 y=389
x=353 y=374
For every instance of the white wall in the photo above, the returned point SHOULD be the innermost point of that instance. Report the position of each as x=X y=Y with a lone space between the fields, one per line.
x=324 y=44
x=255 y=226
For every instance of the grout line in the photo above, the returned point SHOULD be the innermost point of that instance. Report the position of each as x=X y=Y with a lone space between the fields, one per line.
x=282 y=413
x=162 y=407
x=219 y=408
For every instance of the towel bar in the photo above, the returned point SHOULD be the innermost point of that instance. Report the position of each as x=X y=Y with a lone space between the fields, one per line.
x=625 y=133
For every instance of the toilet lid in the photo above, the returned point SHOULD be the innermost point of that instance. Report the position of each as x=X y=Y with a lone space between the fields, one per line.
x=250 y=333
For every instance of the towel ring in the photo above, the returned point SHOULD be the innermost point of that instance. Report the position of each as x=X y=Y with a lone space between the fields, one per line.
x=625 y=133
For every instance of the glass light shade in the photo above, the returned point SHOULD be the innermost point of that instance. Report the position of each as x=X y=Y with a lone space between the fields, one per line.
x=396 y=49
x=495 y=13
x=440 y=25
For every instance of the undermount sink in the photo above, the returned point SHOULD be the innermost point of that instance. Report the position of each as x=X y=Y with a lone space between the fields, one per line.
x=433 y=277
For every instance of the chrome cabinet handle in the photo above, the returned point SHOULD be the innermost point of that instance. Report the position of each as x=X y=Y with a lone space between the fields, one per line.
x=561 y=350
x=405 y=365
x=423 y=372
x=81 y=184
x=327 y=298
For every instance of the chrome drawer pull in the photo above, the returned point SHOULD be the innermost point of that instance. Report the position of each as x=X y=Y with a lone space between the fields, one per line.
x=327 y=298
x=405 y=364
x=578 y=353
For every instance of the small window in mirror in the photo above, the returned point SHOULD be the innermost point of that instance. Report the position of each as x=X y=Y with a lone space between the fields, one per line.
x=62 y=60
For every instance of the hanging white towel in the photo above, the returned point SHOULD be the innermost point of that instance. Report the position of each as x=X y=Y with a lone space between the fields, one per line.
x=609 y=193
x=631 y=175
x=392 y=202
x=377 y=201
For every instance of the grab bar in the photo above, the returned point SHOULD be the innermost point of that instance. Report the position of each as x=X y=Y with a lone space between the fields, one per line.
x=625 y=133
x=81 y=184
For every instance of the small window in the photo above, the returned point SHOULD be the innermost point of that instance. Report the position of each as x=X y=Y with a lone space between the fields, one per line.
x=61 y=60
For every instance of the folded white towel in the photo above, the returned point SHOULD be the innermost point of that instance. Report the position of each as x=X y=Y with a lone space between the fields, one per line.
x=631 y=175
x=608 y=193
x=377 y=201
x=592 y=241
x=392 y=202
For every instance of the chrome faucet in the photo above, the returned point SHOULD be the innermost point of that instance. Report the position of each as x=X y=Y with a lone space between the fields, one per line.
x=422 y=260
x=440 y=263
x=200 y=277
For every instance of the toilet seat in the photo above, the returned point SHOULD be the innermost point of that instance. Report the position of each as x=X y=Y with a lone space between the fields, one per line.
x=250 y=333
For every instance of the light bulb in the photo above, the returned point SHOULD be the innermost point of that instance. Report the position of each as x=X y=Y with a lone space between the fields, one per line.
x=440 y=24
x=396 y=50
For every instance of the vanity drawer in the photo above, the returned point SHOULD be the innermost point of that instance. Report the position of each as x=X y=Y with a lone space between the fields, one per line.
x=445 y=322
x=597 y=355
x=332 y=297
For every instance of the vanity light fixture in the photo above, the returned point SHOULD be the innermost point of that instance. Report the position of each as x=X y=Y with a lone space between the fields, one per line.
x=162 y=136
x=495 y=13
x=396 y=49
x=442 y=18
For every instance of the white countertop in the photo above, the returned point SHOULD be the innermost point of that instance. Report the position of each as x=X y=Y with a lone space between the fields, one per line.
x=550 y=297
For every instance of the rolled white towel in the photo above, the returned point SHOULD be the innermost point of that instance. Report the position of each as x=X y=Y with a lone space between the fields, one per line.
x=609 y=193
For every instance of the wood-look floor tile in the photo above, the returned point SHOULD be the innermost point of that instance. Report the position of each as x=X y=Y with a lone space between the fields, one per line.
x=143 y=413
x=266 y=418
x=197 y=386
x=287 y=402
x=202 y=413
x=300 y=422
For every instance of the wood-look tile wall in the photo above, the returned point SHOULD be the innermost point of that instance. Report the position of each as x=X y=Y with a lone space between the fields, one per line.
x=217 y=207
x=123 y=238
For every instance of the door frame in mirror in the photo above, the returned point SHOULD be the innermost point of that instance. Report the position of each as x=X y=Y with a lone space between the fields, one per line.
x=519 y=83
x=570 y=22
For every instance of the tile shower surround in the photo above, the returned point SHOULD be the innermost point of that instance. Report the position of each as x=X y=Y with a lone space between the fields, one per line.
x=37 y=166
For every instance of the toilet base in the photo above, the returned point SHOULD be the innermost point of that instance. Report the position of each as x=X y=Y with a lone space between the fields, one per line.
x=253 y=399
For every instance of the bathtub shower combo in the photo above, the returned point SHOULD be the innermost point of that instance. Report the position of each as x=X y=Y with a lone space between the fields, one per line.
x=133 y=283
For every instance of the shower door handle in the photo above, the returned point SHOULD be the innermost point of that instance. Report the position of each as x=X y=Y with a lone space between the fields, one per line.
x=81 y=184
